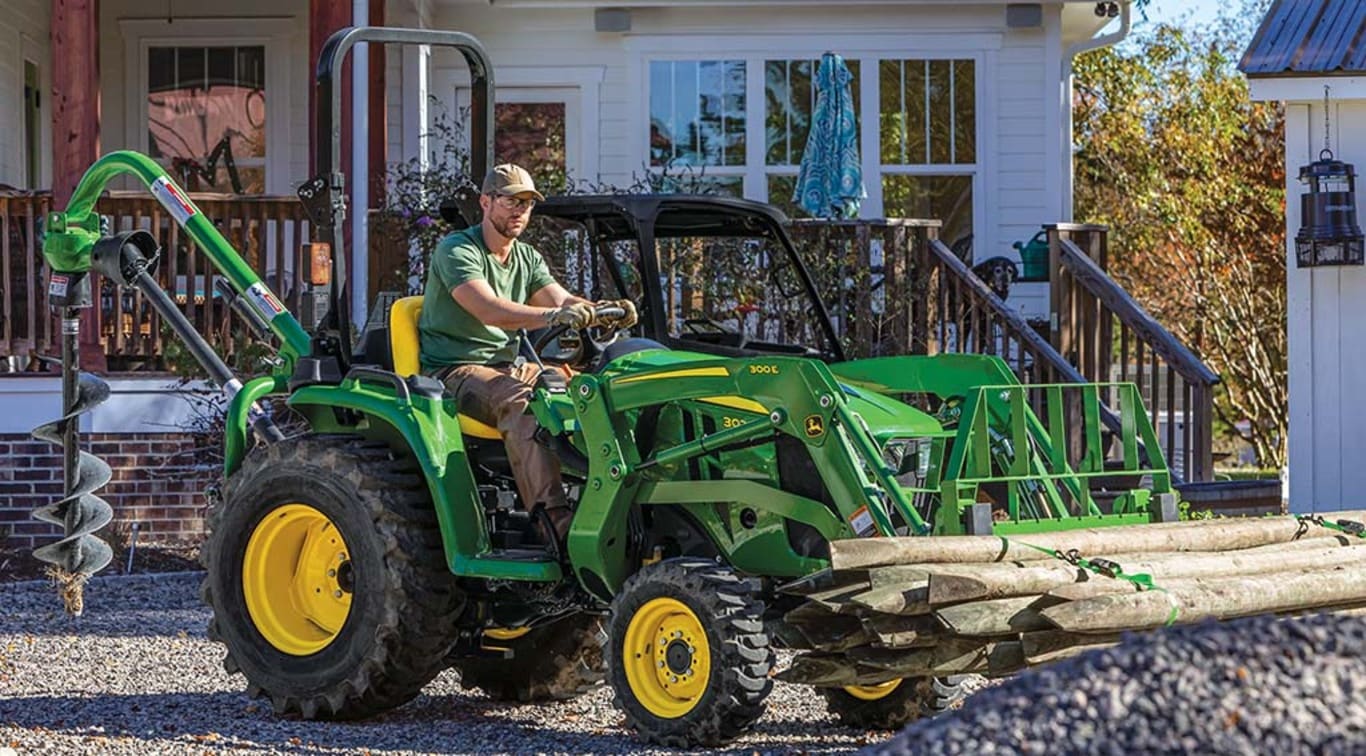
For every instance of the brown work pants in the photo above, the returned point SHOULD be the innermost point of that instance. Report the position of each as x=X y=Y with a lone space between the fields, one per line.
x=498 y=395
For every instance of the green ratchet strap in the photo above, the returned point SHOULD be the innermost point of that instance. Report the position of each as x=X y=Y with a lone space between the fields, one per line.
x=1111 y=569
x=1350 y=527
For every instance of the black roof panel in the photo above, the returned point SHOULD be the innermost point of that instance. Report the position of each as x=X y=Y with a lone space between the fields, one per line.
x=616 y=216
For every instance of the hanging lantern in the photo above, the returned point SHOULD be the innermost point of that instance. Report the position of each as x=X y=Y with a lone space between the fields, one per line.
x=1329 y=234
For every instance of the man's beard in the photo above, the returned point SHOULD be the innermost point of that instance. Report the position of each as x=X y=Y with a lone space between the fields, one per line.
x=504 y=227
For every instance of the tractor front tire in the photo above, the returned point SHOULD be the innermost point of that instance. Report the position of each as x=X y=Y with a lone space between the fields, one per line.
x=327 y=578
x=688 y=658
x=553 y=662
x=895 y=704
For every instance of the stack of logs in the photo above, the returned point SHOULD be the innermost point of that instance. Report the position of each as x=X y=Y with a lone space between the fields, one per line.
x=934 y=606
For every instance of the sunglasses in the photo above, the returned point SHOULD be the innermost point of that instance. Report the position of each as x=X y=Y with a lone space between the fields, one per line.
x=515 y=203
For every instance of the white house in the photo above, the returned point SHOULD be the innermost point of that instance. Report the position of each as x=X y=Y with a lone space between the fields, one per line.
x=1301 y=48
x=964 y=107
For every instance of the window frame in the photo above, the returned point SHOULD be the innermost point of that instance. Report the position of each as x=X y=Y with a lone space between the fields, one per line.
x=273 y=34
x=870 y=50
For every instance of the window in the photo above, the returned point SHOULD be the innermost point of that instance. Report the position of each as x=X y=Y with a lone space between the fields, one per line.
x=927 y=142
x=697 y=113
x=206 y=115
x=532 y=135
x=789 y=100
x=743 y=122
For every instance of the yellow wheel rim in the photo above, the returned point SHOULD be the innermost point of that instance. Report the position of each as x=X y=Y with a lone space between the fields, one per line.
x=666 y=658
x=872 y=692
x=505 y=634
x=297 y=579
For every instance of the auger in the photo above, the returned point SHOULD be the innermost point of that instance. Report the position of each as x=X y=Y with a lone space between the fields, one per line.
x=77 y=244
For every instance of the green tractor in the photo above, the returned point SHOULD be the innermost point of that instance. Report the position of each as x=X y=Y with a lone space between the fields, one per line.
x=710 y=465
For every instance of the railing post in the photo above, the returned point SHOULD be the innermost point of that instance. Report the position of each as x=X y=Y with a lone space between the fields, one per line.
x=918 y=274
x=863 y=304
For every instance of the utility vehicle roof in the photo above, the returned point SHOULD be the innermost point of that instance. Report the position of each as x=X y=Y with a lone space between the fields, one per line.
x=617 y=216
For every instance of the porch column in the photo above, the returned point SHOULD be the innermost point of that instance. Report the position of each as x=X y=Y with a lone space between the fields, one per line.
x=325 y=18
x=74 y=42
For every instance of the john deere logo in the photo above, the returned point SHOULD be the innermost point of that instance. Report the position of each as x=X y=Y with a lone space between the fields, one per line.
x=814 y=425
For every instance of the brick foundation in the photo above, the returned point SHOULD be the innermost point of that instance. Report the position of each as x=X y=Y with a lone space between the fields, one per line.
x=156 y=483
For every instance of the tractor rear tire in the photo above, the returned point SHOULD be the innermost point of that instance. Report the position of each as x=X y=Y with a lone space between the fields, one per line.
x=891 y=707
x=688 y=657
x=553 y=662
x=327 y=578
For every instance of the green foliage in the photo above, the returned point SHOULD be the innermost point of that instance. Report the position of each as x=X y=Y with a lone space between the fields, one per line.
x=1188 y=173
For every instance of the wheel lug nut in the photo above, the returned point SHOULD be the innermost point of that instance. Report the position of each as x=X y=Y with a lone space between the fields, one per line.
x=337 y=593
x=673 y=678
x=331 y=573
x=661 y=665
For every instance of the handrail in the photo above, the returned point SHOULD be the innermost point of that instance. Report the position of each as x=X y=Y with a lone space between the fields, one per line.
x=1103 y=329
x=1131 y=313
x=1018 y=328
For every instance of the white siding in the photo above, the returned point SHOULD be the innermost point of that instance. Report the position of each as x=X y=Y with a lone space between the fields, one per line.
x=1327 y=346
x=1019 y=81
x=23 y=29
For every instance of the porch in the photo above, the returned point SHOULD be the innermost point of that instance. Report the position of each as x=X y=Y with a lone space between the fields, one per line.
x=892 y=287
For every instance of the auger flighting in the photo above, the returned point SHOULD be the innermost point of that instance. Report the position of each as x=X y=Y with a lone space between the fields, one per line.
x=79 y=553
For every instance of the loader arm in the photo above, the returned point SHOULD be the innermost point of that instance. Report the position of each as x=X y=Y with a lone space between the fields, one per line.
x=803 y=400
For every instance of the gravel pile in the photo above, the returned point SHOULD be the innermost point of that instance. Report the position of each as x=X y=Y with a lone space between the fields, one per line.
x=136 y=675
x=1254 y=686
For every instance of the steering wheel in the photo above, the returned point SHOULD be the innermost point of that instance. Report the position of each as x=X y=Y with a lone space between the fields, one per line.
x=591 y=341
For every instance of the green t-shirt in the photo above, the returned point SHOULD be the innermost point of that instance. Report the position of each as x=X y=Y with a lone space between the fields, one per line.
x=450 y=335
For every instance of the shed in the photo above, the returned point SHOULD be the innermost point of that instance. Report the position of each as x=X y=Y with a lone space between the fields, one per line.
x=1301 y=48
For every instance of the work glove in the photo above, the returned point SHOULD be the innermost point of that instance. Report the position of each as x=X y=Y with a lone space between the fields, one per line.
x=618 y=322
x=577 y=315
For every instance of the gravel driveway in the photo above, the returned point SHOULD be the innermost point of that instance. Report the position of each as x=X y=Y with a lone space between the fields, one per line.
x=136 y=675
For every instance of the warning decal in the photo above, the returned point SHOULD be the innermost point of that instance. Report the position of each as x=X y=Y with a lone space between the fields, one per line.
x=170 y=197
x=263 y=301
x=862 y=521
x=56 y=285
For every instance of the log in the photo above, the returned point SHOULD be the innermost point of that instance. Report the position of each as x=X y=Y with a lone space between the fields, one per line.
x=827 y=631
x=954 y=657
x=895 y=631
x=839 y=599
x=996 y=617
x=1205 y=598
x=1205 y=535
x=832 y=670
x=1044 y=646
x=906 y=600
x=956 y=583
x=823 y=581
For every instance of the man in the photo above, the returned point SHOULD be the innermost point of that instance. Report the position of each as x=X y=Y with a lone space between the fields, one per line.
x=482 y=286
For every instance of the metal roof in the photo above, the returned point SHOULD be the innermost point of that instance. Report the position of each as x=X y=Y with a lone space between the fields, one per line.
x=1310 y=38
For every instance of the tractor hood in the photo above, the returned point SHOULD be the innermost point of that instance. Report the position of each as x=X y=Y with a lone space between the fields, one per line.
x=886 y=417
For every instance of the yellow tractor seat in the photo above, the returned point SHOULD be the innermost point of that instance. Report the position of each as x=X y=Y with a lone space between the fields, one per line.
x=403 y=345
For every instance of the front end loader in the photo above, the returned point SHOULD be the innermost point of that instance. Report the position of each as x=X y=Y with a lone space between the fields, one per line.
x=715 y=478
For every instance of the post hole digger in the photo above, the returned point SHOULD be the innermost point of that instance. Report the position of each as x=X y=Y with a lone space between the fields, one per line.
x=733 y=492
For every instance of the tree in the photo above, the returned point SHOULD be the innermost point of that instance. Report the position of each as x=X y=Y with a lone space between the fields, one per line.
x=1188 y=172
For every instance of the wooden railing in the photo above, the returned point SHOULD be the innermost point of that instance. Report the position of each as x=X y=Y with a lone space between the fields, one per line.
x=25 y=326
x=267 y=231
x=1099 y=327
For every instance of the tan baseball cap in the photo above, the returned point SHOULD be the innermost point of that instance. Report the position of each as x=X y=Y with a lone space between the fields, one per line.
x=510 y=180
